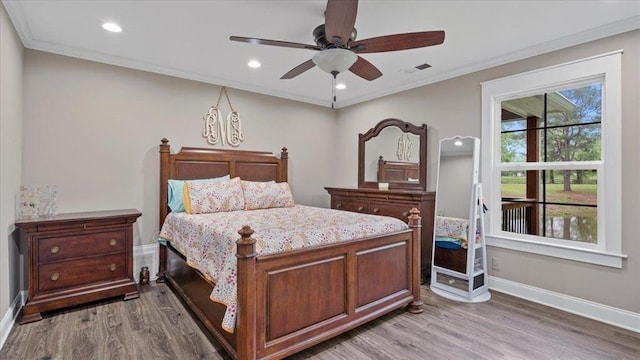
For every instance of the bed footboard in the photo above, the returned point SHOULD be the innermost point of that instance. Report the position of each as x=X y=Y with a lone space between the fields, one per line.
x=291 y=301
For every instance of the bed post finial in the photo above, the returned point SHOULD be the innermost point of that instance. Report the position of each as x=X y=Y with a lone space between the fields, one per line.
x=247 y=297
x=414 y=214
x=415 y=223
x=245 y=236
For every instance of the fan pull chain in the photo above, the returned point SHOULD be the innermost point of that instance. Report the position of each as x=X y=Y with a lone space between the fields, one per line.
x=333 y=88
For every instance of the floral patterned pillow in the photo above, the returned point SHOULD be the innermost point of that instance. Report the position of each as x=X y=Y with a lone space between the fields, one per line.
x=265 y=195
x=210 y=197
x=452 y=227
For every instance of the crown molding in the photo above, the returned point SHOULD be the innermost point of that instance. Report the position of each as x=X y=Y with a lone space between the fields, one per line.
x=16 y=13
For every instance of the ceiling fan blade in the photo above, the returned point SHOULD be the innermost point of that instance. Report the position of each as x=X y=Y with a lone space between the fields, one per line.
x=365 y=69
x=299 y=69
x=398 y=42
x=274 y=43
x=339 y=20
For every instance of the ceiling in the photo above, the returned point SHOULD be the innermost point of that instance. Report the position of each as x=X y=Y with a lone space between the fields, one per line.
x=190 y=39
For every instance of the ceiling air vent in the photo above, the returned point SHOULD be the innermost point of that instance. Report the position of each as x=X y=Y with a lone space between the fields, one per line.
x=411 y=70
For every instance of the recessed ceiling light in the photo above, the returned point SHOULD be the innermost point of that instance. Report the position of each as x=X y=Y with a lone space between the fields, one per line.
x=341 y=86
x=254 y=64
x=113 y=27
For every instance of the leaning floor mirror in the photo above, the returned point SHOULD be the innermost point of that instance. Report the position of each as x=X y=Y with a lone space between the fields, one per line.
x=459 y=252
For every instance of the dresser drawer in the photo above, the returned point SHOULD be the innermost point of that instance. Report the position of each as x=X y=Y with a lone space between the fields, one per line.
x=80 y=245
x=349 y=204
x=72 y=273
x=398 y=211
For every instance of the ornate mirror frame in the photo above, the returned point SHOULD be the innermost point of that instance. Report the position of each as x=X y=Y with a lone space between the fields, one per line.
x=406 y=127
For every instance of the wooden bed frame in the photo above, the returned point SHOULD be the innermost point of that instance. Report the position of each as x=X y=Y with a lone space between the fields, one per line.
x=397 y=171
x=290 y=301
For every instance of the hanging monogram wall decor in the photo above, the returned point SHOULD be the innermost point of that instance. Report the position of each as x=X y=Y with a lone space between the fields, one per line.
x=216 y=129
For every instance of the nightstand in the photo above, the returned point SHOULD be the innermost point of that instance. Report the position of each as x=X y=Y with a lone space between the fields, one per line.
x=78 y=258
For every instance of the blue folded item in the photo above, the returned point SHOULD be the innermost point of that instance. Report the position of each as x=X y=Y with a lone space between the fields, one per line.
x=448 y=243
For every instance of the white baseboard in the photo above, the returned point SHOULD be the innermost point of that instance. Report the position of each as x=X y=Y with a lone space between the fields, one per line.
x=604 y=313
x=9 y=318
x=146 y=255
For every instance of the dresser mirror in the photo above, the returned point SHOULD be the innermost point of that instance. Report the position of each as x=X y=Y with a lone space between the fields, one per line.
x=459 y=251
x=393 y=152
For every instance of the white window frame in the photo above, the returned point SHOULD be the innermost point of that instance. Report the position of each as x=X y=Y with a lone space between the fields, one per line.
x=607 y=69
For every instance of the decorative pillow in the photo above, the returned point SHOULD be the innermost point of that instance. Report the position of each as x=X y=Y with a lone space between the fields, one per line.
x=210 y=197
x=176 y=204
x=265 y=195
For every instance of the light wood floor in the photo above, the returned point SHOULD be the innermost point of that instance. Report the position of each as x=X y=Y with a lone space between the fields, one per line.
x=157 y=326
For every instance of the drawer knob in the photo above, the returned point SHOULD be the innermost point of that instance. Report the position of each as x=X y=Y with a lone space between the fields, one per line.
x=55 y=276
x=361 y=208
x=55 y=249
x=112 y=267
x=338 y=206
x=376 y=210
x=112 y=242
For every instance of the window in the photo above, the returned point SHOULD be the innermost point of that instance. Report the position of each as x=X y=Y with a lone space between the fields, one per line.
x=551 y=160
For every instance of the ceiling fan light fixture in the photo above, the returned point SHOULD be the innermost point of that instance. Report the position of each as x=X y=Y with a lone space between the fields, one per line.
x=334 y=60
x=254 y=64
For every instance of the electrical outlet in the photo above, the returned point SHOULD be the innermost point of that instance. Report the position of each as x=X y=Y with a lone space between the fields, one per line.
x=495 y=264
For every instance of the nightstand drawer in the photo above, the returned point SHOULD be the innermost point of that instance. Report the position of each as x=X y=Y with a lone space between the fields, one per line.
x=80 y=245
x=72 y=273
x=348 y=204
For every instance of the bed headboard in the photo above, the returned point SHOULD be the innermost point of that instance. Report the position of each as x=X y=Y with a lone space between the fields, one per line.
x=397 y=171
x=202 y=163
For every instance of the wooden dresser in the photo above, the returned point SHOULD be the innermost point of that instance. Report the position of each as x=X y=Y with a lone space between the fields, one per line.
x=395 y=203
x=78 y=258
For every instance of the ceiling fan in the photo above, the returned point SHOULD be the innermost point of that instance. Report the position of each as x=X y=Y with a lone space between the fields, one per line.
x=338 y=49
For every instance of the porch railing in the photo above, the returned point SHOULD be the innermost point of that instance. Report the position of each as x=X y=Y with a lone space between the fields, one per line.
x=517 y=215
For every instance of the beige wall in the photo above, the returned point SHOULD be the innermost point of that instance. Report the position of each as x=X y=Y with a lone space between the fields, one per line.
x=94 y=130
x=11 y=70
x=454 y=107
